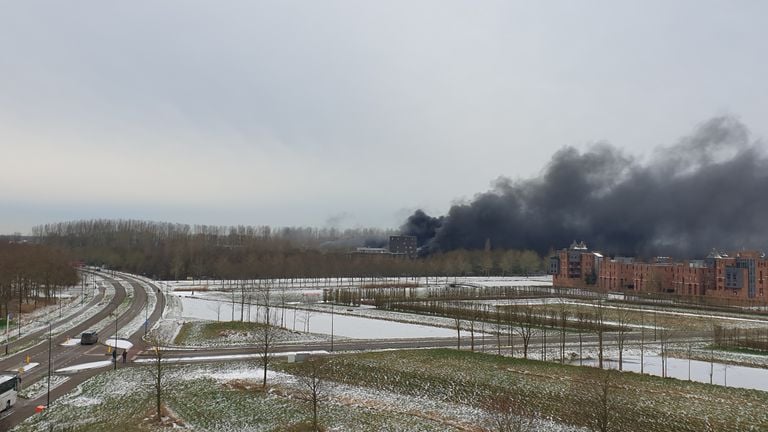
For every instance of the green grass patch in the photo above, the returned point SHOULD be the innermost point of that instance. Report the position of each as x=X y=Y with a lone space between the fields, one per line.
x=123 y=400
x=212 y=330
x=561 y=392
x=232 y=333
x=387 y=389
x=115 y=398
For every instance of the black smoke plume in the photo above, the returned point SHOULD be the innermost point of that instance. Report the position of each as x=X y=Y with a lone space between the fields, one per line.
x=708 y=190
x=423 y=226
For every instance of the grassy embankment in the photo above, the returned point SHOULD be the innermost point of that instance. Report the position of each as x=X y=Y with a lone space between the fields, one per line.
x=567 y=394
x=233 y=333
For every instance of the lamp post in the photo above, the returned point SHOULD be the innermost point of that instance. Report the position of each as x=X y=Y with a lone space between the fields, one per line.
x=114 y=352
x=50 y=338
x=146 y=316
x=7 y=326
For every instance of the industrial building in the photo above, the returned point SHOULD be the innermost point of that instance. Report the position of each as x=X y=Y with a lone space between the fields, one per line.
x=404 y=245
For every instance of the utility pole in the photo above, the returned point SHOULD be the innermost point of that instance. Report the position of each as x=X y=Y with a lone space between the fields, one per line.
x=114 y=351
x=146 y=316
x=50 y=338
x=7 y=335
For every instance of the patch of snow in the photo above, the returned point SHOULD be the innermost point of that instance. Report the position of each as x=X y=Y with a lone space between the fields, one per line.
x=84 y=401
x=28 y=367
x=119 y=343
x=85 y=366
x=225 y=357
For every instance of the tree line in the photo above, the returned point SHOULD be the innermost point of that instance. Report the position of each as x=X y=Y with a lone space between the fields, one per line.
x=31 y=272
x=178 y=251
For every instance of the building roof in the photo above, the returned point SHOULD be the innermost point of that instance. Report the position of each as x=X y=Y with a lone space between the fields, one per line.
x=578 y=246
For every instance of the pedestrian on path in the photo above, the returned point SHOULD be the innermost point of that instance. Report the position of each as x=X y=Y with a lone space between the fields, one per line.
x=125 y=355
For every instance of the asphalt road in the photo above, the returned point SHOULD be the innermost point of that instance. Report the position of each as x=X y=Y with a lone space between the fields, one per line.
x=63 y=356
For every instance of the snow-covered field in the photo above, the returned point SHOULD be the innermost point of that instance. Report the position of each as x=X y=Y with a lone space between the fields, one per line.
x=123 y=397
x=315 y=321
x=371 y=323
x=408 y=391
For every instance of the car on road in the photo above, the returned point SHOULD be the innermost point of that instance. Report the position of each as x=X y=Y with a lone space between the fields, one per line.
x=89 y=338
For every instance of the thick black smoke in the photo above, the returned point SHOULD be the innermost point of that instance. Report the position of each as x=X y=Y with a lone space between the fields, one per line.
x=709 y=190
x=423 y=226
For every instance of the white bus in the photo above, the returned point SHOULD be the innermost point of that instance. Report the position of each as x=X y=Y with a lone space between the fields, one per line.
x=9 y=385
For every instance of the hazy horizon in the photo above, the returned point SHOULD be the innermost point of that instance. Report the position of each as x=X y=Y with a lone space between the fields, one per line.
x=342 y=113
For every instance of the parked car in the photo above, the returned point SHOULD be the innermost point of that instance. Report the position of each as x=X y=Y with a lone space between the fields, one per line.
x=89 y=338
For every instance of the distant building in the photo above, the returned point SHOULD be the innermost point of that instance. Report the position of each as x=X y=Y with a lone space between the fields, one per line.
x=371 y=251
x=743 y=275
x=576 y=266
x=403 y=245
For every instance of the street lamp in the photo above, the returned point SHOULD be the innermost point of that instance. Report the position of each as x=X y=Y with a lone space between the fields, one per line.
x=50 y=338
x=146 y=316
x=7 y=326
x=114 y=348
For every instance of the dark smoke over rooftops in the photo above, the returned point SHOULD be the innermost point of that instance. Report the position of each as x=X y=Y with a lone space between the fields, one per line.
x=709 y=190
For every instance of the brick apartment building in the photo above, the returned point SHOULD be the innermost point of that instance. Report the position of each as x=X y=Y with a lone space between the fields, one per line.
x=743 y=275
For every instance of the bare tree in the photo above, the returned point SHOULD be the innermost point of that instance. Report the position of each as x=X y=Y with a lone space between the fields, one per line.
x=601 y=410
x=314 y=388
x=266 y=333
x=472 y=318
x=642 y=342
x=526 y=327
x=156 y=371
x=283 y=296
x=307 y=317
x=665 y=334
x=457 y=323
x=622 y=321
x=308 y=312
x=563 y=315
x=511 y=333
x=600 y=329
x=498 y=331
x=582 y=317
x=712 y=351
x=244 y=293
x=508 y=414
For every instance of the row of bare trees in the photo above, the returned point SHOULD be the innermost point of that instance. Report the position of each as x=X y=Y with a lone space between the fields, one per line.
x=177 y=251
x=126 y=232
x=525 y=322
x=31 y=273
x=746 y=338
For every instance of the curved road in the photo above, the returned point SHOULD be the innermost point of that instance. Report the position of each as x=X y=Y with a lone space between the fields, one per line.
x=63 y=356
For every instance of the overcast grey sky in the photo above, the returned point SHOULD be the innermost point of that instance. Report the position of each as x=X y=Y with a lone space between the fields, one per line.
x=345 y=112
